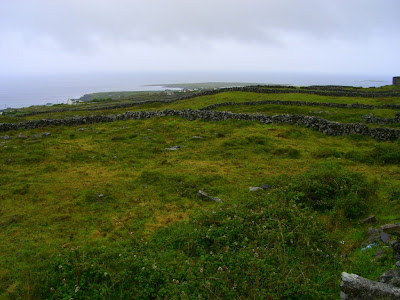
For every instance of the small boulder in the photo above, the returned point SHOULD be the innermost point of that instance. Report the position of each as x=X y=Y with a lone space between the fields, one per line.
x=204 y=196
x=174 y=148
x=384 y=237
x=4 y=137
x=46 y=134
x=197 y=137
x=255 y=188
x=22 y=136
x=370 y=219
x=390 y=228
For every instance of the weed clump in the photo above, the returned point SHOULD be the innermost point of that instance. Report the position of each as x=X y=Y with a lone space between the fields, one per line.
x=330 y=187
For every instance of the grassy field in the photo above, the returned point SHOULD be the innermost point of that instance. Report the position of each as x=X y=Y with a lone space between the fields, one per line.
x=106 y=212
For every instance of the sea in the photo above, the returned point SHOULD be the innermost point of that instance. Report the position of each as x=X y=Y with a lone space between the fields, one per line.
x=26 y=90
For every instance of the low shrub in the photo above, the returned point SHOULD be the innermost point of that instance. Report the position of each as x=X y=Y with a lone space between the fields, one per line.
x=328 y=187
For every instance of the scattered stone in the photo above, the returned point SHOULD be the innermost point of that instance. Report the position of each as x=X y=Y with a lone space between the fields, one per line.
x=354 y=287
x=398 y=263
x=370 y=219
x=384 y=237
x=390 y=228
x=197 y=137
x=5 y=137
x=100 y=195
x=46 y=134
x=391 y=277
x=36 y=136
x=145 y=186
x=81 y=129
x=22 y=136
x=255 y=188
x=174 y=148
x=204 y=196
x=146 y=138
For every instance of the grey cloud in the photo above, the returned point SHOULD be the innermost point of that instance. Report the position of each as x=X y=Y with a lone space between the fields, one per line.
x=79 y=24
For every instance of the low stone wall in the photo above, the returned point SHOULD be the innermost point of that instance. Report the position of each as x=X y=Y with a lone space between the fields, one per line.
x=304 y=103
x=287 y=90
x=370 y=118
x=315 y=123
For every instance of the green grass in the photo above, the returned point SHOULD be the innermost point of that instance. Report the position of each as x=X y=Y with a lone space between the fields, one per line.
x=109 y=210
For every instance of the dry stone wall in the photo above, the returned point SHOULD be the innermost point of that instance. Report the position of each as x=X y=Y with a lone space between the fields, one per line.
x=370 y=118
x=315 y=123
x=303 y=103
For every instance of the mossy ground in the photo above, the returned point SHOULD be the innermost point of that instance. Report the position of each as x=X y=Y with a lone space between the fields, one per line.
x=106 y=212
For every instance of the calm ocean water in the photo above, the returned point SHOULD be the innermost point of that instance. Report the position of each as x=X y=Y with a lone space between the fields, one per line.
x=22 y=91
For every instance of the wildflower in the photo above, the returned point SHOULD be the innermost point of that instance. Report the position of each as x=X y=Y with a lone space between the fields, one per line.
x=105 y=274
x=60 y=266
x=154 y=267
x=52 y=290
x=342 y=242
x=175 y=281
x=219 y=269
x=143 y=268
x=201 y=270
x=76 y=289
x=120 y=254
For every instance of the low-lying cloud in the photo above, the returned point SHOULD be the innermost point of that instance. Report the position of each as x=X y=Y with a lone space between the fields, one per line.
x=77 y=28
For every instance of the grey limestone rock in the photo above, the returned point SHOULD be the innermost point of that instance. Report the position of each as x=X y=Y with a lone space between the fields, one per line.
x=354 y=287
x=174 y=148
x=255 y=188
x=204 y=196
x=390 y=228
x=370 y=219
x=391 y=277
x=22 y=136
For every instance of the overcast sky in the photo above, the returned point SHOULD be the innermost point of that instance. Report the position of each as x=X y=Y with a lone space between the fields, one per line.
x=327 y=36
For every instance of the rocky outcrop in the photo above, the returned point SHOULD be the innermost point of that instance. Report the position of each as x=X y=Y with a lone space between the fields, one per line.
x=315 y=123
x=354 y=287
